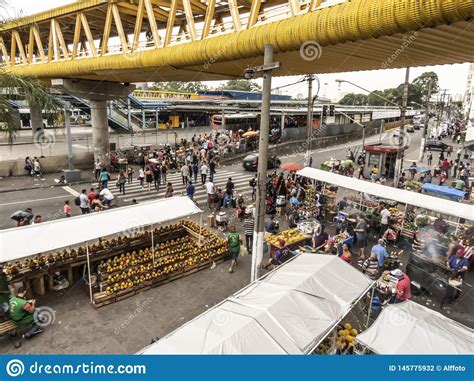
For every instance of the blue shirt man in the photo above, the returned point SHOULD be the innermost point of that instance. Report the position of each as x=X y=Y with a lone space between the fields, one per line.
x=190 y=190
x=380 y=251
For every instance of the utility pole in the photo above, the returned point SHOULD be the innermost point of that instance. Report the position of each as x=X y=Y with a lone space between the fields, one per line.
x=440 y=116
x=259 y=232
x=401 y=137
x=309 y=120
x=427 y=119
x=67 y=122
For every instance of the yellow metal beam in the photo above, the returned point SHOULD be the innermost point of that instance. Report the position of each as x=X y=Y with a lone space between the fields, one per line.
x=107 y=28
x=211 y=6
x=3 y=48
x=254 y=11
x=294 y=7
x=62 y=42
x=152 y=21
x=87 y=31
x=21 y=49
x=234 y=13
x=189 y=19
x=31 y=46
x=77 y=36
x=138 y=25
x=171 y=20
x=119 y=26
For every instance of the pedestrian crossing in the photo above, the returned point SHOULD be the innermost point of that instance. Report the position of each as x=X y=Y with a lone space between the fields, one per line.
x=134 y=190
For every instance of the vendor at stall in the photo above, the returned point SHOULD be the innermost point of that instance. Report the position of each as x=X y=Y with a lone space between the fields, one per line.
x=4 y=291
x=370 y=267
x=320 y=239
x=458 y=264
x=22 y=312
x=282 y=254
x=380 y=252
x=271 y=226
x=403 y=291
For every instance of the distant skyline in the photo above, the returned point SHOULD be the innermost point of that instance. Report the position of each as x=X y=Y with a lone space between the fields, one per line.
x=451 y=77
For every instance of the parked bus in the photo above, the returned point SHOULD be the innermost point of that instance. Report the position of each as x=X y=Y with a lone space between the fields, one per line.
x=235 y=122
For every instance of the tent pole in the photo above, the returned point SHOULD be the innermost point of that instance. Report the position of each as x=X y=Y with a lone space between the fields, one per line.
x=370 y=307
x=200 y=228
x=89 y=270
x=457 y=226
x=153 y=244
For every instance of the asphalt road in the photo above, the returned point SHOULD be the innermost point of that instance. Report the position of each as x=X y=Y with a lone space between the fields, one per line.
x=48 y=201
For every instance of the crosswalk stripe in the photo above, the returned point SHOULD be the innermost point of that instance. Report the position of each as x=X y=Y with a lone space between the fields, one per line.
x=71 y=191
x=178 y=189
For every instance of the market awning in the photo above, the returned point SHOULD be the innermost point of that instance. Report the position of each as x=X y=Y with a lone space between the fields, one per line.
x=443 y=190
x=410 y=328
x=424 y=201
x=289 y=311
x=30 y=240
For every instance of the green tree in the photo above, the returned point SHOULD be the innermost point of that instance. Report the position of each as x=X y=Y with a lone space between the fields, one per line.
x=422 y=82
x=33 y=92
x=353 y=99
x=187 y=87
x=240 y=85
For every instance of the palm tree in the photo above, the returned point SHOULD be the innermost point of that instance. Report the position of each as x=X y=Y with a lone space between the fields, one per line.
x=33 y=92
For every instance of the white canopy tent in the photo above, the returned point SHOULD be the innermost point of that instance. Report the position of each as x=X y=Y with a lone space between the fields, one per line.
x=288 y=311
x=424 y=201
x=35 y=239
x=410 y=328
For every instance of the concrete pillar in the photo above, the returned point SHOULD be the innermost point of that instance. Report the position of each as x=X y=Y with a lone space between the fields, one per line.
x=100 y=131
x=36 y=120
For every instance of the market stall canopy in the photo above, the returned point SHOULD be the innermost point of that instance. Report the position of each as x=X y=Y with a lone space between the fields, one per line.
x=288 y=311
x=410 y=328
x=291 y=167
x=417 y=169
x=446 y=207
x=445 y=191
x=35 y=239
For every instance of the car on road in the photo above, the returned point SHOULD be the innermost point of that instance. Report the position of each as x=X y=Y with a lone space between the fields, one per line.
x=435 y=145
x=416 y=126
x=396 y=133
x=410 y=129
x=250 y=162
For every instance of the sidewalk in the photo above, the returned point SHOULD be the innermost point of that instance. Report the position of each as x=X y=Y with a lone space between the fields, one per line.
x=11 y=184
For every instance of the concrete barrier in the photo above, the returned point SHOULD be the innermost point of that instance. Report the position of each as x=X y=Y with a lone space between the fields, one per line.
x=52 y=164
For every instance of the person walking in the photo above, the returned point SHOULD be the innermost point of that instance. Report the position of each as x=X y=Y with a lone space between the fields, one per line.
x=130 y=172
x=163 y=172
x=253 y=186
x=148 y=177
x=195 y=169
x=204 y=171
x=430 y=158
x=361 y=235
x=169 y=190
x=97 y=168
x=190 y=190
x=234 y=247
x=67 y=209
x=104 y=177
x=141 y=176
x=84 y=203
x=212 y=169
x=184 y=174
x=210 y=193
x=157 y=176
x=249 y=224
x=121 y=182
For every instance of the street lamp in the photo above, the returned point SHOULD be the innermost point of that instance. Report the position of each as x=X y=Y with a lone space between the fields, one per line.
x=403 y=107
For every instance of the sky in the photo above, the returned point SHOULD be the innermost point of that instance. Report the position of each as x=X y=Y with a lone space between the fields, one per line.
x=451 y=77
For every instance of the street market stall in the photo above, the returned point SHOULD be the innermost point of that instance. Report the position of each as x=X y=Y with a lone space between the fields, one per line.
x=291 y=310
x=444 y=191
x=144 y=255
x=410 y=328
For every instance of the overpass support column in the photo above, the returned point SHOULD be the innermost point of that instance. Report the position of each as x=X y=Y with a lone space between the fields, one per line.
x=100 y=131
x=36 y=120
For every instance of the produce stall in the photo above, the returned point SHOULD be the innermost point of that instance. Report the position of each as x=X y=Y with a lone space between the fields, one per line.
x=121 y=252
x=299 y=297
x=423 y=331
x=293 y=239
